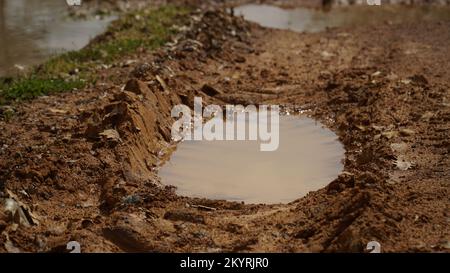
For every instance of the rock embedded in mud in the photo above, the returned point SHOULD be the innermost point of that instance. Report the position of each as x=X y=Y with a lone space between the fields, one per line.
x=162 y=83
x=406 y=132
x=7 y=112
x=132 y=199
x=111 y=135
x=403 y=164
x=141 y=70
x=17 y=212
x=10 y=247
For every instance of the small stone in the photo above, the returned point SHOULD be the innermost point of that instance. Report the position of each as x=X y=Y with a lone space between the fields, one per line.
x=401 y=147
x=403 y=164
x=163 y=83
x=406 y=81
x=376 y=74
x=326 y=54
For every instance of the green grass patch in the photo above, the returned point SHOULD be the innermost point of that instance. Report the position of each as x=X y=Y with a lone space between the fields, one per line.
x=28 y=88
x=148 y=28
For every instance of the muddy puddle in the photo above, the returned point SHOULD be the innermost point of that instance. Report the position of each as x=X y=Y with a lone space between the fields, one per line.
x=316 y=20
x=308 y=157
x=33 y=30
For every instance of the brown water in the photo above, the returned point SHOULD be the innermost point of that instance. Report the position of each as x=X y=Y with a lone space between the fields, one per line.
x=312 y=20
x=33 y=30
x=308 y=158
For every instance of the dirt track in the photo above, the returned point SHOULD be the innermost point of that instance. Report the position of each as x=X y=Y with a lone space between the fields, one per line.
x=383 y=89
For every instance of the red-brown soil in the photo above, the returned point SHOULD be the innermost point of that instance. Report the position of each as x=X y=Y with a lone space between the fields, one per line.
x=85 y=162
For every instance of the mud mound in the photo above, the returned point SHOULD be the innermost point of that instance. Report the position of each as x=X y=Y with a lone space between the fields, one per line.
x=138 y=116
